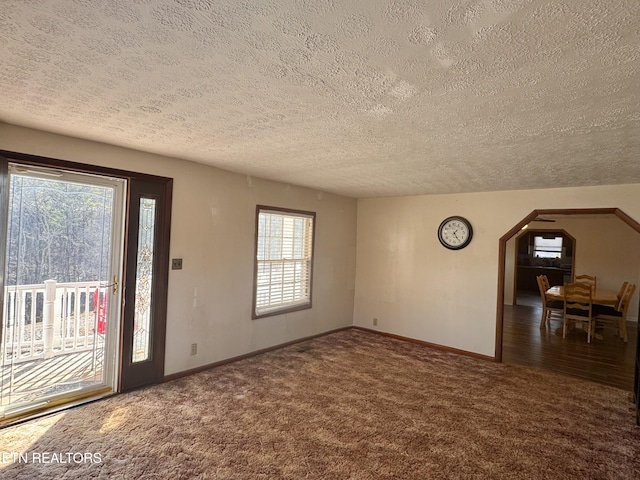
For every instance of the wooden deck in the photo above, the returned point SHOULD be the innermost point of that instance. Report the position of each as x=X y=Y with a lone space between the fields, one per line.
x=30 y=380
x=609 y=361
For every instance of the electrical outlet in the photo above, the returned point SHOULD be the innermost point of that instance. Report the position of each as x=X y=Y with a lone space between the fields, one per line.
x=194 y=348
x=375 y=322
x=176 y=264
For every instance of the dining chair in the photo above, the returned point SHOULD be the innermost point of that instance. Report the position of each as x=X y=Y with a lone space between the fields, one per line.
x=621 y=293
x=549 y=307
x=589 y=279
x=610 y=310
x=545 y=282
x=578 y=307
x=617 y=315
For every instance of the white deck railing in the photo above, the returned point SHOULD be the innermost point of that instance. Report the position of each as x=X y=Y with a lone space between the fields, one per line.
x=51 y=318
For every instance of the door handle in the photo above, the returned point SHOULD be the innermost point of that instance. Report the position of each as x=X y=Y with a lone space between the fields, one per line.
x=114 y=284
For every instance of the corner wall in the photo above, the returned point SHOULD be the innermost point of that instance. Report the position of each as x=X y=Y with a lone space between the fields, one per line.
x=418 y=289
x=213 y=223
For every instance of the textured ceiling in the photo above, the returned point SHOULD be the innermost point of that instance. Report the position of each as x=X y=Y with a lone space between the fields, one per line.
x=362 y=98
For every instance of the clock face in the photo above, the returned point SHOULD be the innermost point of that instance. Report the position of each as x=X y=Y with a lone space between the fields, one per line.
x=455 y=233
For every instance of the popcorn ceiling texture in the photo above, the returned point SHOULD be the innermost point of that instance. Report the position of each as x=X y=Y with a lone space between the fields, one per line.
x=362 y=98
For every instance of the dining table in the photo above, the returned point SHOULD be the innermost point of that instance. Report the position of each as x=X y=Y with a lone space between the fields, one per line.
x=600 y=296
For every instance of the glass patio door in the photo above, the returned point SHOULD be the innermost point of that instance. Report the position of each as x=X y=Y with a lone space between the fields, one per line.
x=62 y=282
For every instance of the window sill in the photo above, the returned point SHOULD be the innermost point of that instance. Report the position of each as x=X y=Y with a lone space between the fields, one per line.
x=281 y=311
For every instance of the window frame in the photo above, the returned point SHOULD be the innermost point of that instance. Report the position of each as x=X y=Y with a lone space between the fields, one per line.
x=285 y=309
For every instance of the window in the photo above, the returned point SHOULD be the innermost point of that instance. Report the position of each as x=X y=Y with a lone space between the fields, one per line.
x=284 y=260
x=547 y=247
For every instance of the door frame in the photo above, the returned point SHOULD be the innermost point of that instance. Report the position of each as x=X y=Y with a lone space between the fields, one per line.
x=133 y=375
x=164 y=230
x=502 y=254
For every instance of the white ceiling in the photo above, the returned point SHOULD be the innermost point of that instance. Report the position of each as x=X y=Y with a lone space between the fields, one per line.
x=361 y=98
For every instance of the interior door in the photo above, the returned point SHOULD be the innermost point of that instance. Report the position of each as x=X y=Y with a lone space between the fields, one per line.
x=146 y=276
x=62 y=264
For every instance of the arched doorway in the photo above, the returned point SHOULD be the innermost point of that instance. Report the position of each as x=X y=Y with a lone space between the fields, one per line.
x=614 y=212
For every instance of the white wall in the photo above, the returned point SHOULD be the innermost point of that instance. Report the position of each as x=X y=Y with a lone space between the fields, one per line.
x=417 y=288
x=213 y=223
x=607 y=248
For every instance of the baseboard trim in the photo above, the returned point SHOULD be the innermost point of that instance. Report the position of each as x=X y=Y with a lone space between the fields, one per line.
x=186 y=373
x=435 y=346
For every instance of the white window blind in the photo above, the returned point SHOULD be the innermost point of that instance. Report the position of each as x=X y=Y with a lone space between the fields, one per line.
x=547 y=247
x=284 y=256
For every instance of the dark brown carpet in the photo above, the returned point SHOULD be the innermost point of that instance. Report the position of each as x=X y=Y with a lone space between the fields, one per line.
x=350 y=405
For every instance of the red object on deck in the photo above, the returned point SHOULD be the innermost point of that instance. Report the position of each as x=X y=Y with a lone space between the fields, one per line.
x=101 y=311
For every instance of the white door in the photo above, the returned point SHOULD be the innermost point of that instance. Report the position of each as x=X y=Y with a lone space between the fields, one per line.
x=61 y=287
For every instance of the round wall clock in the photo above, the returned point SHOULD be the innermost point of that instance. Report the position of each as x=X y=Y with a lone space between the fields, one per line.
x=455 y=232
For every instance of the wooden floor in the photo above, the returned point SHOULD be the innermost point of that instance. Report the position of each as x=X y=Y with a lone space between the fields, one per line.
x=609 y=361
x=28 y=381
